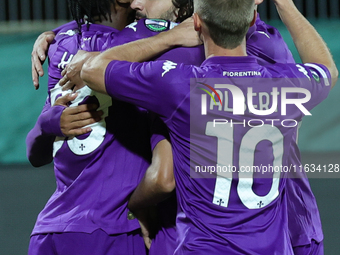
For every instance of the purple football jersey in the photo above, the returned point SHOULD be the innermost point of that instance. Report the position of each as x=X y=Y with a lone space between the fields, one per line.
x=306 y=226
x=165 y=239
x=266 y=43
x=149 y=27
x=304 y=218
x=233 y=214
x=258 y=37
x=72 y=25
x=96 y=172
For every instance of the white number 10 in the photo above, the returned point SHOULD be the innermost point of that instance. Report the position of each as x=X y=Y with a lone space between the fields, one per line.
x=225 y=148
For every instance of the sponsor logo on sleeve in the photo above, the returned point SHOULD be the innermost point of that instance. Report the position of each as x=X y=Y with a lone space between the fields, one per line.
x=70 y=32
x=132 y=26
x=168 y=66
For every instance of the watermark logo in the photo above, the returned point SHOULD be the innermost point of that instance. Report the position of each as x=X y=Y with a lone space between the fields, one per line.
x=240 y=103
x=204 y=97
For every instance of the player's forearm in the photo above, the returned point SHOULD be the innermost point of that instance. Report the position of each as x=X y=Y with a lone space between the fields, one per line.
x=148 y=48
x=158 y=182
x=93 y=71
x=310 y=45
x=141 y=50
x=39 y=141
x=149 y=193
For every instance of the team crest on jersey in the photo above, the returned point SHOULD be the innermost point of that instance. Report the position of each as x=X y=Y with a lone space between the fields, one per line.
x=157 y=25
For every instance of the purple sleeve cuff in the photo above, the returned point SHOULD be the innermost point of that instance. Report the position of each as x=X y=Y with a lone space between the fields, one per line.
x=158 y=131
x=49 y=121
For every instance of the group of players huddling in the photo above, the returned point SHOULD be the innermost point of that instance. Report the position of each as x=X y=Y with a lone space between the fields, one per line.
x=120 y=130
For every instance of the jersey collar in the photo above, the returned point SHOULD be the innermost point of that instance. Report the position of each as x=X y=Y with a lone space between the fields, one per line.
x=98 y=27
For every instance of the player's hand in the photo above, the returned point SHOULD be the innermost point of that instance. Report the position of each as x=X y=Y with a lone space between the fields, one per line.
x=143 y=217
x=38 y=55
x=145 y=234
x=75 y=118
x=185 y=35
x=71 y=75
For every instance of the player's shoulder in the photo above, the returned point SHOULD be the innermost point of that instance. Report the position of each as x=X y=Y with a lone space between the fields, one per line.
x=96 y=37
x=66 y=33
x=164 y=70
x=147 y=27
x=308 y=73
x=64 y=46
x=68 y=29
x=292 y=70
x=265 y=29
x=151 y=25
x=65 y=41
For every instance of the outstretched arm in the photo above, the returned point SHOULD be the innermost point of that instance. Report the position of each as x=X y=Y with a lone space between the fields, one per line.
x=306 y=38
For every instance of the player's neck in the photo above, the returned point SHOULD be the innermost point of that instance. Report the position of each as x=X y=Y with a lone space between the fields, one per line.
x=118 y=19
x=115 y=22
x=211 y=50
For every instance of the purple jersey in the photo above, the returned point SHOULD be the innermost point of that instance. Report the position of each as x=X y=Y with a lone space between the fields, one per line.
x=304 y=218
x=266 y=43
x=225 y=214
x=95 y=172
x=149 y=27
x=307 y=225
x=165 y=239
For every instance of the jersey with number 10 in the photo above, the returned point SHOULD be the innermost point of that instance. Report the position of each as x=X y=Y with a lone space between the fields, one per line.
x=267 y=45
x=235 y=213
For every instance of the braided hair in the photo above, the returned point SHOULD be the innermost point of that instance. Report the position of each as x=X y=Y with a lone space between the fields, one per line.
x=186 y=9
x=93 y=10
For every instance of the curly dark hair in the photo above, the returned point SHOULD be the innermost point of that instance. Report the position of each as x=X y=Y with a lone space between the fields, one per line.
x=90 y=8
x=186 y=9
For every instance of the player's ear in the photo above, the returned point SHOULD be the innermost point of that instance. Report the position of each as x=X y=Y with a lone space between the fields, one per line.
x=197 y=22
x=254 y=18
x=257 y=2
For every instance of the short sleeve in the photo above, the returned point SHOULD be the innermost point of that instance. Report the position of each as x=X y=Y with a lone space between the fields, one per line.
x=313 y=77
x=158 y=86
x=158 y=130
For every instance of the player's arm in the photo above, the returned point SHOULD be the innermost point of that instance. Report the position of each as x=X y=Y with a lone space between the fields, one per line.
x=39 y=142
x=93 y=70
x=58 y=120
x=39 y=54
x=310 y=45
x=157 y=185
x=158 y=182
